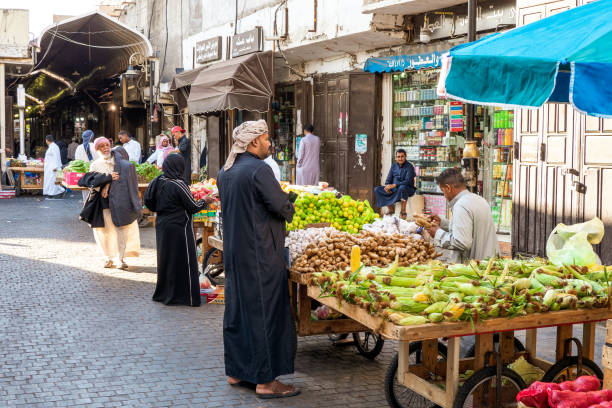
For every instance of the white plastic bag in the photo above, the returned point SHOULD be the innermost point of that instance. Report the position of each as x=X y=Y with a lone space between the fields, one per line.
x=573 y=244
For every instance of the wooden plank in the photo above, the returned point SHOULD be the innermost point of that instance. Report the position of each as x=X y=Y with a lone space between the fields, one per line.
x=483 y=344
x=304 y=311
x=403 y=360
x=301 y=278
x=428 y=390
x=531 y=341
x=588 y=340
x=506 y=347
x=606 y=357
x=215 y=242
x=540 y=362
x=452 y=329
x=336 y=326
x=452 y=370
x=563 y=332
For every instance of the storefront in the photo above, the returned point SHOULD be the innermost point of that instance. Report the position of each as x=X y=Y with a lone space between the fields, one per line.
x=432 y=131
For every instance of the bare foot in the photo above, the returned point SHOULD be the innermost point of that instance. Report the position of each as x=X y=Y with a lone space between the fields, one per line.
x=275 y=389
x=232 y=380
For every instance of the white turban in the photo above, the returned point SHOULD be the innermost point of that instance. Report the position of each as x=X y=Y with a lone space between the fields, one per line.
x=243 y=135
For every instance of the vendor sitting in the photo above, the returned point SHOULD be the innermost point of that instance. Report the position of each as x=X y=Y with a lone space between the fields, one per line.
x=399 y=185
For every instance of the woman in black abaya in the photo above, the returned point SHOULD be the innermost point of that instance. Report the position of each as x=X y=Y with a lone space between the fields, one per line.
x=177 y=264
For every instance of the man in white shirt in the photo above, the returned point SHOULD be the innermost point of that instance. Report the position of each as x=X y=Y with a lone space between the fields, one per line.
x=273 y=164
x=131 y=146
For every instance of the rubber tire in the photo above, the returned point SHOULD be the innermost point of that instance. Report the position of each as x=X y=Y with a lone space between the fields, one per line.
x=480 y=375
x=566 y=362
x=210 y=253
x=371 y=354
x=337 y=337
x=518 y=346
x=392 y=373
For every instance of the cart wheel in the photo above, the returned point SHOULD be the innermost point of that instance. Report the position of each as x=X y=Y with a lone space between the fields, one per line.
x=369 y=344
x=337 y=337
x=518 y=346
x=209 y=254
x=482 y=387
x=399 y=396
x=566 y=369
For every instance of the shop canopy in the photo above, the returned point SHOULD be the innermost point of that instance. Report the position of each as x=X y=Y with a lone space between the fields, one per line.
x=566 y=57
x=240 y=83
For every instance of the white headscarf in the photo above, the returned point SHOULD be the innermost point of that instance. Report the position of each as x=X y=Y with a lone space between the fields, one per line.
x=243 y=135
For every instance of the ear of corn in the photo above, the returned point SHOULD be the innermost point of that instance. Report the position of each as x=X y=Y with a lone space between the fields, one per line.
x=413 y=320
x=355 y=258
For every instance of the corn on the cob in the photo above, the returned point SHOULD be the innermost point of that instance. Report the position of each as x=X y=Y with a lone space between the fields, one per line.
x=413 y=320
x=355 y=258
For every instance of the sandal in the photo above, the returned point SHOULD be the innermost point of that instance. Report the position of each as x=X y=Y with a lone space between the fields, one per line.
x=277 y=392
x=403 y=216
x=109 y=264
x=123 y=266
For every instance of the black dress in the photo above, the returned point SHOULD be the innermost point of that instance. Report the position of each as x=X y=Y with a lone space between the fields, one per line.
x=177 y=264
x=258 y=330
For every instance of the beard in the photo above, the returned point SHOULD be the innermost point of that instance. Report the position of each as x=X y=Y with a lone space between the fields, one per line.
x=106 y=156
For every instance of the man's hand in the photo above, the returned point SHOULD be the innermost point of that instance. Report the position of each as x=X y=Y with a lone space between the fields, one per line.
x=104 y=191
x=436 y=220
x=388 y=187
x=115 y=176
x=432 y=230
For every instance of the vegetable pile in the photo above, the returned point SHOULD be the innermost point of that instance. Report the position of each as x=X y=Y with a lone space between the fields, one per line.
x=331 y=253
x=433 y=292
x=392 y=225
x=203 y=188
x=580 y=393
x=147 y=170
x=297 y=241
x=77 y=166
x=344 y=214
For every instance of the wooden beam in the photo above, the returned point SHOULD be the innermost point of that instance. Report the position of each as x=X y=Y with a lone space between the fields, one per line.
x=484 y=343
x=428 y=390
x=452 y=370
x=337 y=326
x=429 y=350
x=506 y=347
x=304 y=311
x=588 y=340
x=531 y=341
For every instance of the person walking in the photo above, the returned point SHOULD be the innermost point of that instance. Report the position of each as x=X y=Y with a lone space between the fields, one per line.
x=308 y=168
x=63 y=148
x=470 y=234
x=86 y=153
x=115 y=204
x=53 y=162
x=177 y=263
x=72 y=149
x=131 y=146
x=183 y=146
x=161 y=152
x=258 y=330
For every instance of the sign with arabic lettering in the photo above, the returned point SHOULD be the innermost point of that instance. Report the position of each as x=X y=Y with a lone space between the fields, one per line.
x=453 y=22
x=208 y=50
x=403 y=62
x=247 y=43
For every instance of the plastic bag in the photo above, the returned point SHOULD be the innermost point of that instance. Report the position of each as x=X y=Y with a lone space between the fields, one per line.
x=573 y=244
x=528 y=372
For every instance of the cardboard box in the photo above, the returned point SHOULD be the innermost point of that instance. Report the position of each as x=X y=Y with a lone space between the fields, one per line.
x=6 y=194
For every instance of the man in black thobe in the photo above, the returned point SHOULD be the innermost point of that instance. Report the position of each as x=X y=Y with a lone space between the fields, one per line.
x=258 y=330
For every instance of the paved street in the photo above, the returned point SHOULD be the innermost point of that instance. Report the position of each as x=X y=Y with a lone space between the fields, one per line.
x=75 y=334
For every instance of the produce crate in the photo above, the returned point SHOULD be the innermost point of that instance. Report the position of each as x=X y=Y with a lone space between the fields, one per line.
x=141 y=179
x=71 y=178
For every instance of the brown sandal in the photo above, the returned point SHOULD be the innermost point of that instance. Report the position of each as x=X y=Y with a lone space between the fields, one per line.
x=277 y=392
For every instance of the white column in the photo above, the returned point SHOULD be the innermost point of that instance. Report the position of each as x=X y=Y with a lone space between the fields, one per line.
x=2 y=121
x=387 y=126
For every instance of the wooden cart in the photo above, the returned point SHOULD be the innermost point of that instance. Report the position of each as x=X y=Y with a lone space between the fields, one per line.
x=444 y=392
x=21 y=179
x=368 y=344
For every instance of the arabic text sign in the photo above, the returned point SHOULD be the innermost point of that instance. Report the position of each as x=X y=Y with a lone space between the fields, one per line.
x=404 y=62
x=247 y=43
x=208 y=50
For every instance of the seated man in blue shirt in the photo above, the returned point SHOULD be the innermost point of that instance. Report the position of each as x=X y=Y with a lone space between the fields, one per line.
x=399 y=185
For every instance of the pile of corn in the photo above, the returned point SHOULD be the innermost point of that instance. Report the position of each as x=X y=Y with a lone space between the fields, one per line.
x=435 y=292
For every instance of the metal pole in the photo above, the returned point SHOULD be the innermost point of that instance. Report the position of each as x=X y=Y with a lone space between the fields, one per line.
x=151 y=106
x=471 y=37
x=21 y=133
x=2 y=122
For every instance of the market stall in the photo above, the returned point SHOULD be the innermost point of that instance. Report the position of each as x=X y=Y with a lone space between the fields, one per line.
x=423 y=304
x=29 y=174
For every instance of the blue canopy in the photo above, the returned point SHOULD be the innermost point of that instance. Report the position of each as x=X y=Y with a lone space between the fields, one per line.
x=403 y=62
x=566 y=57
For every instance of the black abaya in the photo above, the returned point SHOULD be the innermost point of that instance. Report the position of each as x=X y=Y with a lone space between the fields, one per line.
x=177 y=264
x=258 y=330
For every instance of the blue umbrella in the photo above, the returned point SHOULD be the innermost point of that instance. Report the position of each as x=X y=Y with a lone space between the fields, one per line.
x=566 y=57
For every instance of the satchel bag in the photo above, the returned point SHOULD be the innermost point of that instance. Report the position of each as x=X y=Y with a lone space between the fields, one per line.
x=92 y=209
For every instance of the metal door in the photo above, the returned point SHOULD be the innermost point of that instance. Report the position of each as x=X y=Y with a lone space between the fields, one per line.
x=364 y=108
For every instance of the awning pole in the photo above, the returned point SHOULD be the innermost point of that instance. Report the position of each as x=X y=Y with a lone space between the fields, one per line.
x=2 y=123
x=471 y=37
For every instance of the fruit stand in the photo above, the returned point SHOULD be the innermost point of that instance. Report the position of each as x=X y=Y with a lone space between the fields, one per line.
x=426 y=370
x=23 y=181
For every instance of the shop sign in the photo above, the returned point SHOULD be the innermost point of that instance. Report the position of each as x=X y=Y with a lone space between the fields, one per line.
x=208 y=50
x=453 y=21
x=247 y=43
x=404 y=62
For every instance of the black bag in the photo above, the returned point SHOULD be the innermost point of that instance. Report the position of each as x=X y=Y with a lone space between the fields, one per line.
x=92 y=210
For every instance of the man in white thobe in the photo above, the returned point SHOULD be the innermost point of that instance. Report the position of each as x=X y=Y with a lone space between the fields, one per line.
x=470 y=234
x=131 y=146
x=53 y=162
x=307 y=171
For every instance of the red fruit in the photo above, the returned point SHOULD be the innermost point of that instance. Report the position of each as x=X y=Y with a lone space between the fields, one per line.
x=536 y=395
x=572 y=399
